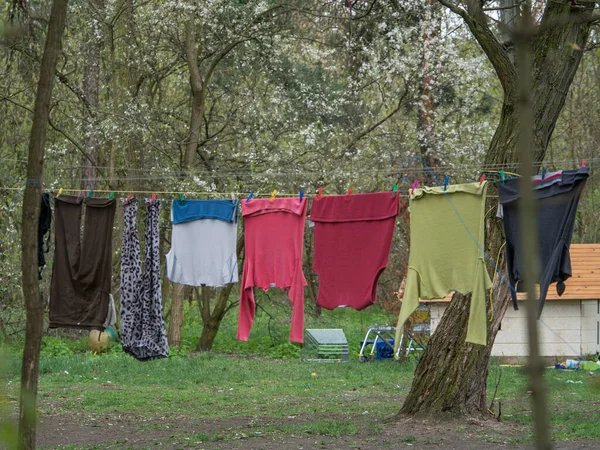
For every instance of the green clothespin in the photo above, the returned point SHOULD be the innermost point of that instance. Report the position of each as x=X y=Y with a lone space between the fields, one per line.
x=181 y=199
x=502 y=175
x=394 y=190
x=89 y=195
x=112 y=195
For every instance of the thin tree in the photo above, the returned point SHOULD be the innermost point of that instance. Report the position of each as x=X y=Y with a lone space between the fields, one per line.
x=34 y=303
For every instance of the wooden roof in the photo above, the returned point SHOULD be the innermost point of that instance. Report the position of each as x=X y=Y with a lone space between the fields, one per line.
x=583 y=285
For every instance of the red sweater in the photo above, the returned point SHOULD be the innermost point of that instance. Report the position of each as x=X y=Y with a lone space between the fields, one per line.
x=353 y=236
x=273 y=239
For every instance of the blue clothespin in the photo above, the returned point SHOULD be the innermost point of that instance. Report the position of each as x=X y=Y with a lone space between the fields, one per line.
x=543 y=172
x=301 y=195
x=502 y=175
x=250 y=197
x=446 y=181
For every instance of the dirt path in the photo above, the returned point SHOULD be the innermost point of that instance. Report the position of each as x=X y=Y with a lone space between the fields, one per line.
x=123 y=431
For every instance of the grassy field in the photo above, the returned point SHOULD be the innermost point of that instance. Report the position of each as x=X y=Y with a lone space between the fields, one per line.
x=252 y=400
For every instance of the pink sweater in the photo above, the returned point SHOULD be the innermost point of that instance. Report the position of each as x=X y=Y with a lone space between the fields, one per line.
x=273 y=238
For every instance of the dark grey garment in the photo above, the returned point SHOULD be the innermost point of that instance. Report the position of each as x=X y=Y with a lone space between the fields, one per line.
x=556 y=200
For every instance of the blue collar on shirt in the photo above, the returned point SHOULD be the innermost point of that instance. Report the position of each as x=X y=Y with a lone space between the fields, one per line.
x=189 y=210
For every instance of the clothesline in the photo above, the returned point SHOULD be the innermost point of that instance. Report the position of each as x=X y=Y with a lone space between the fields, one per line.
x=229 y=194
x=389 y=170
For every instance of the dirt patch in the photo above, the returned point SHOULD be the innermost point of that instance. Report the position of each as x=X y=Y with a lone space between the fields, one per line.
x=293 y=432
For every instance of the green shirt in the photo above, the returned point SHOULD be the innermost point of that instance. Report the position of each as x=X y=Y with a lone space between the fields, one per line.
x=446 y=252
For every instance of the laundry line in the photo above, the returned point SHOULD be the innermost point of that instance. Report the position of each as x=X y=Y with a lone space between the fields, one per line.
x=392 y=169
x=229 y=194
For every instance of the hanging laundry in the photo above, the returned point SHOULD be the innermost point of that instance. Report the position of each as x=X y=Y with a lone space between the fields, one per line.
x=203 y=245
x=352 y=241
x=142 y=325
x=556 y=198
x=446 y=252
x=81 y=276
x=44 y=224
x=274 y=237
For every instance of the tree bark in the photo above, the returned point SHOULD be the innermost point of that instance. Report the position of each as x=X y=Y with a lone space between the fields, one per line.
x=176 y=317
x=452 y=374
x=212 y=320
x=91 y=82
x=34 y=303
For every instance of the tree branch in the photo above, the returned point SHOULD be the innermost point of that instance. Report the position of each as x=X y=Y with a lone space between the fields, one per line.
x=475 y=20
x=372 y=127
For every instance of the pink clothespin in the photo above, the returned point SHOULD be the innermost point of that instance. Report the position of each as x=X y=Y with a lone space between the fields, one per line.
x=482 y=178
x=153 y=198
x=414 y=186
x=583 y=163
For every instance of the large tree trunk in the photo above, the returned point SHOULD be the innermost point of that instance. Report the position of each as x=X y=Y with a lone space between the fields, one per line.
x=452 y=374
x=34 y=303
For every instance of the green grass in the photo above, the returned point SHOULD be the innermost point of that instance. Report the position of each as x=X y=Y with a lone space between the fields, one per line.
x=286 y=396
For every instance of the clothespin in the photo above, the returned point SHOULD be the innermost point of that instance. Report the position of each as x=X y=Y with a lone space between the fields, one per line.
x=394 y=189
x=112 y=195
x=502 y=175
x=543 y=172
x=320 y=192
x=129 y=197
x=60 y=191
x=273 y=194
x=181 y=199
x=414 y=186
x=446 y=181
x=153 y=199
x=349 y=191
x=301 y=195
x=89 y=195
x=583 y=163
x=481 y=179
x=250 y=197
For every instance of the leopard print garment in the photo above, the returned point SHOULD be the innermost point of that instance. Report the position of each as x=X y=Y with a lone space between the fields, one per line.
x=142 y=325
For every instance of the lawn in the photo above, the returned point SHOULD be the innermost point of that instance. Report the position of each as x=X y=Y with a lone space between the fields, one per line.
x=250 y=400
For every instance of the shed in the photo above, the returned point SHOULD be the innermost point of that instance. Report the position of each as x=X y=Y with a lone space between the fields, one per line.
x=569 y=325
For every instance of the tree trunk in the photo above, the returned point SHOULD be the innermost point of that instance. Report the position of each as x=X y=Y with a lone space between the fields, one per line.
x=212 y=320
x=197 y=87
x=91 y=82
x=34 y=303
x=176 y=318
x=452 y=374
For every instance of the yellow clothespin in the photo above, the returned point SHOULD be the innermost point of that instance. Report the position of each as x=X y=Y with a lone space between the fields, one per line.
x=60 y=191
x=273 y=194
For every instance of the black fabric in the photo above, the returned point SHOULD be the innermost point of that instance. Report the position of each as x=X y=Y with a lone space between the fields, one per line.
x=44 y=224
x=82 y=270
x=556 y=201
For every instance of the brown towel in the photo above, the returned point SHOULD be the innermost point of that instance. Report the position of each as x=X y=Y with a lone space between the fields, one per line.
x=81 y=277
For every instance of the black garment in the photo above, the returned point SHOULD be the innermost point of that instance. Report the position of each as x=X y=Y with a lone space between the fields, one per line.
x=556 y=200
x=44 y=223
x=82 y=270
